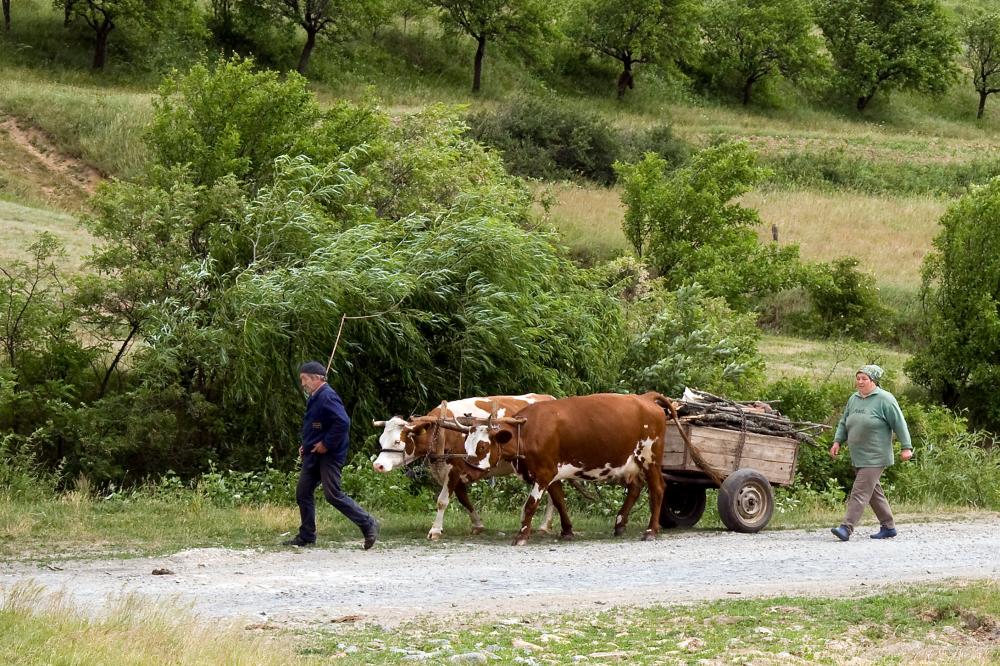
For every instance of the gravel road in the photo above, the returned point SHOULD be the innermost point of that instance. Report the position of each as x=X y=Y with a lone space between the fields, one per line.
x=454 y=579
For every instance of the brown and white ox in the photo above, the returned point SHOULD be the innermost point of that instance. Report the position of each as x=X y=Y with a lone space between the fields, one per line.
x=601 y=437
x=403 y=442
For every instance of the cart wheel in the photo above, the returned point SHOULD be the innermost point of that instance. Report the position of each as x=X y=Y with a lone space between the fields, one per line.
x=682 y=505
x=746 y=501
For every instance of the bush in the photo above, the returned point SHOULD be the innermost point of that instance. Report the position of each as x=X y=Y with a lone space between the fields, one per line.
x=541 y=137
x=962 y=309
x=950 y=464
x=846 y=301
x=688 y=338
x=657 y=139
x=840 y=170
x=817 y=402
x=21 y=476
x=686 y=226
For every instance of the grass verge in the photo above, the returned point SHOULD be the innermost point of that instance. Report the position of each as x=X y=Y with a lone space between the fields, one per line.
x=41 y=628
x=78 y=526
x=919 y=625
x=956 y=624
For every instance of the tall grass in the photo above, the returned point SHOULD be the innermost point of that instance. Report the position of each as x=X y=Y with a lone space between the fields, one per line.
x=20 y=226
x=44 y=628
x=98 y=125
x=889 y=235
x=828 y=360
x=589 y=219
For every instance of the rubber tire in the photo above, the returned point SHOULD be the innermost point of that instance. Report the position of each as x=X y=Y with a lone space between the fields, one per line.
x=746 y=501
x=682 y=505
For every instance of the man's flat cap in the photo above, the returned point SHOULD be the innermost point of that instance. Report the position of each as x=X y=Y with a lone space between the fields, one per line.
x=312 y=368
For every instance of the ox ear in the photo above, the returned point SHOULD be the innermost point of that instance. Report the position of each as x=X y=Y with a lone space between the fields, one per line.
x=504 y=436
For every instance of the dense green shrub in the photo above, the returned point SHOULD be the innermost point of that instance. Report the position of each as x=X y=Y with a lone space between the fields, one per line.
x=688 y=338
x=658 y=139
x=950 y=464
x=687 y=227
x=801 y=399
x=962 y=309
x=543 y=137
x=845 y=301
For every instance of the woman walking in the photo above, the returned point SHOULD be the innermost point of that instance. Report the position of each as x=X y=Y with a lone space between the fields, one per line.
x=871 y=417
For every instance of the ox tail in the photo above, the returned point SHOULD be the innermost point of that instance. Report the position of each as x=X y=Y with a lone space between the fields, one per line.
x=661 y=400
x=587 y=493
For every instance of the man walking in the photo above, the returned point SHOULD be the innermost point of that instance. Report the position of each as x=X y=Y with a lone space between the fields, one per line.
x=325 y=428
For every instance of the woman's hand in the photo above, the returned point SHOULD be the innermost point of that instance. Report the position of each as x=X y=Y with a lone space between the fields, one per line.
x=906 y=454
x=835 y=449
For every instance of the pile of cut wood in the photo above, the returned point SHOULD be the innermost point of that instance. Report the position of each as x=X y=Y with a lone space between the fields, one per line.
x=704 y=409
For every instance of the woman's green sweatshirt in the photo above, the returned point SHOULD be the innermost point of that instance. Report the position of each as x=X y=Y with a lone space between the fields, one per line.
x=867 y=426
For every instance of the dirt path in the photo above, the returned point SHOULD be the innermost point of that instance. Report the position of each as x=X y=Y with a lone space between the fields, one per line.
x=391 y=584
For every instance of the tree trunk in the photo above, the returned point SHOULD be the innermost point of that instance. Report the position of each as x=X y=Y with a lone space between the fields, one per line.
x=307 y=51
x=747 y=88
x=625 y=79
x=477 y=70
x=118 y=357
x=101 y=44
x=6 y=15
x=982 y=104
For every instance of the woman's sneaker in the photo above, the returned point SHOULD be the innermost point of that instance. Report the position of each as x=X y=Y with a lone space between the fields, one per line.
x=884 y=533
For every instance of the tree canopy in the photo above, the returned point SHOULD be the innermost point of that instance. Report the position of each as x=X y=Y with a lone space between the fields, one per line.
x=635 y=31
x=489 y=21
x=888 y=44
x=233 y=260
x=981 y=39
x=750 y=41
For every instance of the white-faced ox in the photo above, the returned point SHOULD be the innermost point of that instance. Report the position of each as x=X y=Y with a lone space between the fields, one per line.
x=403 y=442
x=602 y=437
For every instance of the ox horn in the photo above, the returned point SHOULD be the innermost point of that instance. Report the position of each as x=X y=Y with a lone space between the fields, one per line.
x=453 y=425
x=379 y=424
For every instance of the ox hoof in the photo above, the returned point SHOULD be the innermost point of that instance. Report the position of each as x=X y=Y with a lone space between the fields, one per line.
x=520 y=541
x=542 y=530
x=619 y=531
x=478 y=529
x=567 y=536
x=650 y=535
x=434 y=536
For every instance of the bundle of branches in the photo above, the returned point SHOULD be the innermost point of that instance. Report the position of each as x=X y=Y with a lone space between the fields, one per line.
x=757 y=416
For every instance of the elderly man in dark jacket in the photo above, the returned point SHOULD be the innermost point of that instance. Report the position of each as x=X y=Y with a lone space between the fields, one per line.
x=325 y=428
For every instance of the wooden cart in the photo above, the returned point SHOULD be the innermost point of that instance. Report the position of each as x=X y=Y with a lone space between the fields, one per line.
x=743 y=465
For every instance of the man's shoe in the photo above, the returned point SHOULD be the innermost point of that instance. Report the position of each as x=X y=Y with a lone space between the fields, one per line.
x=884 y=533
x=841 y=532
x=371 y=535
x=298 y=541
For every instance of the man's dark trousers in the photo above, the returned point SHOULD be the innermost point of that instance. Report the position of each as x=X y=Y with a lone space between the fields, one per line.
x=326 y=471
